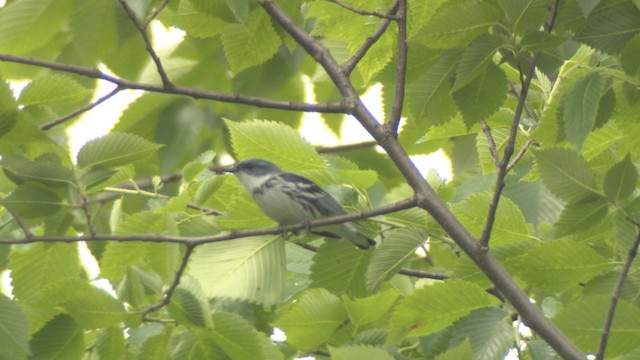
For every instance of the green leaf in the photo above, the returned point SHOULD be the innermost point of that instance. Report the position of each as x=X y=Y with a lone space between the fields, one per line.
x=368 y=310
x=601 y=140
x=251 y=269
x=457 y=23
x=581 y=107
x=433 y=308
x=42 y=264
x=240 y=340
x=475 y=59
x=610 y=25
x=60 y=339
x=239 y=8
x=566 y=174
x=45 y=171
x=52 y=89
x=189 y=305
x=359 y=352
x=250 y=44
x=509 y=227
x=621 y=180
x=110 y=343
x=399 y=246
x=273 y=141
x=197 y=24
x=115 y=149
x=197 y=166
x=312 y=319
x=32 y=200
x=524 y=16
x=483 y=95
x=582 y=217
x=489 y=330
x=95 y=29
x=560 y=264
x=429 y=95
x=339 y=267
x=14 y=338
x=587 y=5
x=32 y=24
x=8 y=108
x=582 y=321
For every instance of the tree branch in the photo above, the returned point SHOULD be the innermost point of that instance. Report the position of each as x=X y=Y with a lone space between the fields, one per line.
x=49 y=125
x=401 y=69
x=350 y=64
x=503 y=167
x=231 y=235
x=604 y=338
x=166 y=299
x=386 y=16
x=427 y=198
x=521 y=153
x=142 y=28
x=345 y=147
x=25 y=229
x=333 y=108
x=492 y=144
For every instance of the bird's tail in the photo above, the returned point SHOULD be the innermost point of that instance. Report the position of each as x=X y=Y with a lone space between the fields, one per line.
x=362 y=241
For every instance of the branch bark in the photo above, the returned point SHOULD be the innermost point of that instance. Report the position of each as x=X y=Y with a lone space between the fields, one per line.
x=427 y=199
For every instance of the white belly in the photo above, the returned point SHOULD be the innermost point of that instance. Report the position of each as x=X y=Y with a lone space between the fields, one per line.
x=279 y=207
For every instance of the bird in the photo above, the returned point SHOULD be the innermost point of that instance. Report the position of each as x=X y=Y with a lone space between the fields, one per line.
x=290 y=199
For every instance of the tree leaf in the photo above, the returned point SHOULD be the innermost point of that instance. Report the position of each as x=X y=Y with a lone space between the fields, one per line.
x=475 y=59
x=8 y=108
x=582 y=321
x=581 y=108
x=312 y=319
x=250 y=44
x=52 y=89
x=399 y=246
x=457 y=23
x=435 y=307
x=32 y=200
x=560 y=264
x=489 y=330
x=483 y=95
x=359 y=352
x=273 y=141
x=14 y=338
x=370 y=309
x=60 y=339
x=610 y=25
x=240 y=340
x=621 y=180
x=340 y=268
x=566 y=174
x=251 y=269
x=115 y=149
x=189 y=305
x=582 y=217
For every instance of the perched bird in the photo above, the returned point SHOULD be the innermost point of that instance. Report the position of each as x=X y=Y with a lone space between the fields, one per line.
x=291 y=199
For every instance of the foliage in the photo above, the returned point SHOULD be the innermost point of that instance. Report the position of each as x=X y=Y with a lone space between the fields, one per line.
x=482 y=78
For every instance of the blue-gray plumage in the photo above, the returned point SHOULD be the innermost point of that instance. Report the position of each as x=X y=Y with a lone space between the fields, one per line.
x=292 y=199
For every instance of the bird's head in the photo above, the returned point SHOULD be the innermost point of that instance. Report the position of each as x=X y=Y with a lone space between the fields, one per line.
x=253 y=172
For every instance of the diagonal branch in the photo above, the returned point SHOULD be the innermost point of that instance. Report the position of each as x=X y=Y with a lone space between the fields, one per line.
x=350 y=64
x=142 y=28
x=427 y=198
x=49 y=125
x=503 y=167
x=604 y=338
x=166 y=298
x=94 y=73
x=401 y=69
x=493 y=150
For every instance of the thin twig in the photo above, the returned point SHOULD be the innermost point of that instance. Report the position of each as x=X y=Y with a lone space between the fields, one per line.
x=492 y=144
x=515 y=92
x=401 y=69
x=604 y=338
x=142 y=28
x=166 y=298
x=49 y=125
x=350 y=64
x=423 y=274
x=25 y=229
x=94 y=73
x=230 y=235
x=119 y=191
x=155 y=13
x=521 y=153
x=87 y=215
x=386 y=16
x=510 y=147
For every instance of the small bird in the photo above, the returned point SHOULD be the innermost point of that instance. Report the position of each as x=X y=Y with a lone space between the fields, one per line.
x=292 y=199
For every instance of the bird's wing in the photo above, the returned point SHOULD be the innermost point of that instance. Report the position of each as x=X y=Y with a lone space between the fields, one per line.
x=326 y=204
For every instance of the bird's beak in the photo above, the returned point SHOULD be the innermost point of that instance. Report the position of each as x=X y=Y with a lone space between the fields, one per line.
x=230 y=169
